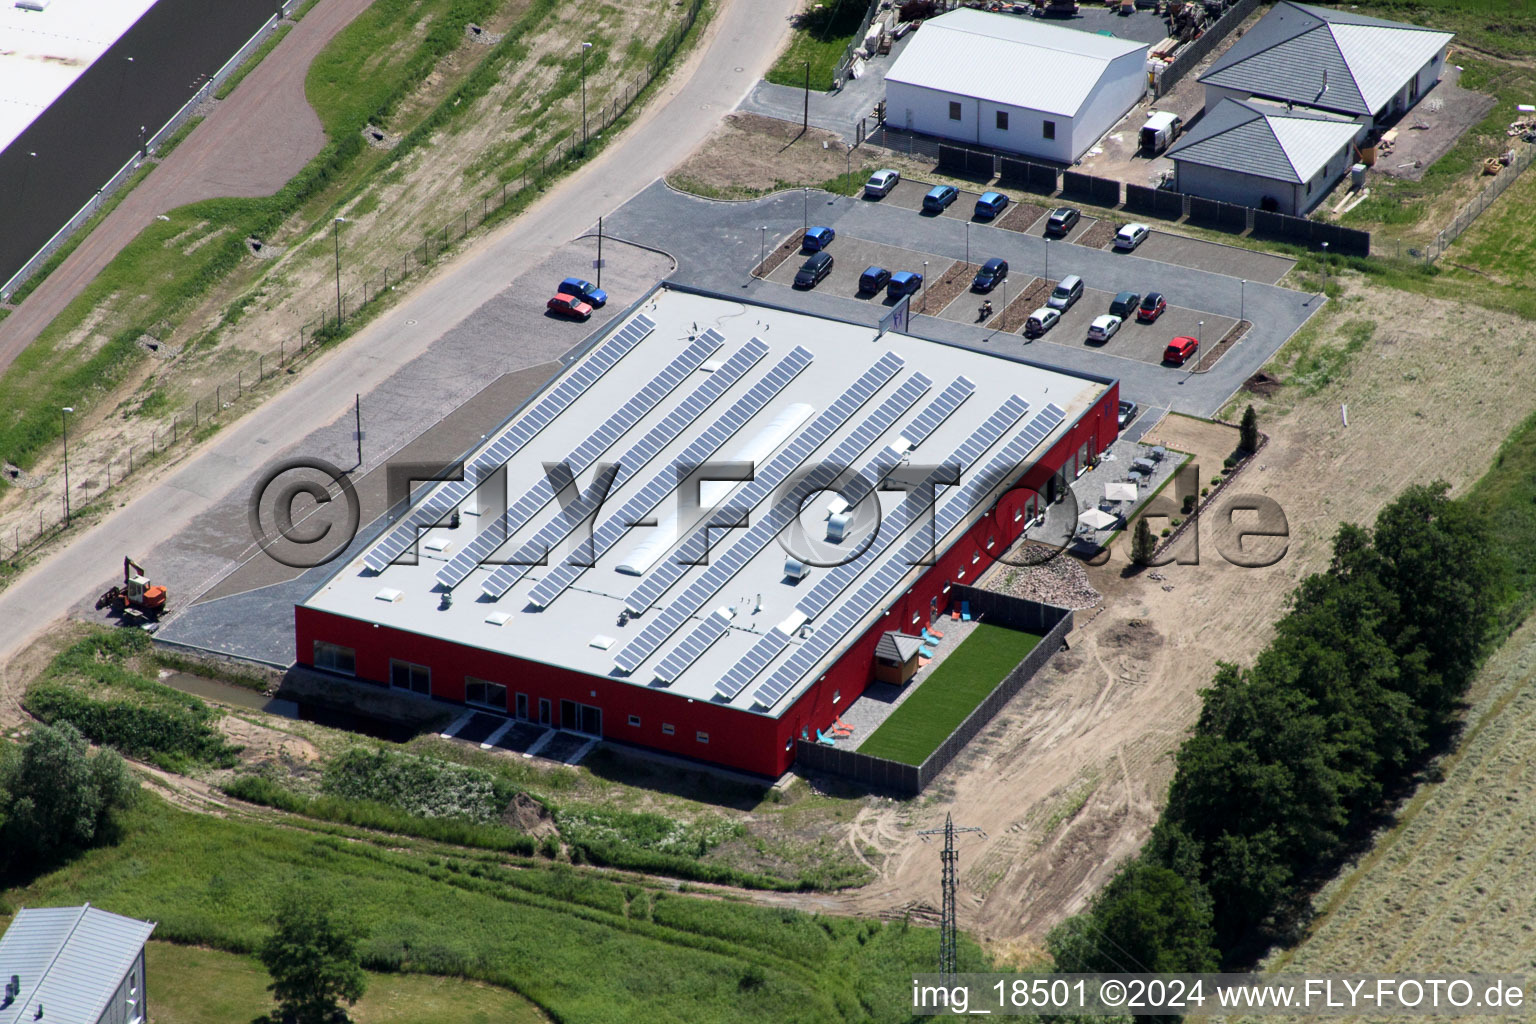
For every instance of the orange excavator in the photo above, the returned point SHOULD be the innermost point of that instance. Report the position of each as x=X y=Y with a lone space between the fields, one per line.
x=136 y=593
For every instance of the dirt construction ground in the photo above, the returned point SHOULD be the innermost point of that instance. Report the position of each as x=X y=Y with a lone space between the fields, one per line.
x=1070 y=777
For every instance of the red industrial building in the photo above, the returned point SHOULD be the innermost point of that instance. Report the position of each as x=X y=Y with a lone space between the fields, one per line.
x=884 y=468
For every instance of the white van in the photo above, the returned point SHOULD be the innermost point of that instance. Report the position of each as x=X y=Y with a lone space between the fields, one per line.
x=1160 y=131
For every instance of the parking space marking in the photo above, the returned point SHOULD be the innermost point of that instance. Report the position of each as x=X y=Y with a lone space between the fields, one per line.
x=1199 y=254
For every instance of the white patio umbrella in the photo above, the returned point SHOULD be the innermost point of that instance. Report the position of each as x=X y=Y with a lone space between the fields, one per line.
x=1095 y=519
x=1120 y=492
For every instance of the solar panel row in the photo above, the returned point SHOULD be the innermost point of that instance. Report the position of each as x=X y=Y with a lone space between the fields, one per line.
x=562 y=576
x=519 y=433
x=693 y=646
x=693 y=550
x=522 y=511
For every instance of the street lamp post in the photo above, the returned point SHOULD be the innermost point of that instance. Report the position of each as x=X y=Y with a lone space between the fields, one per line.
x=64 y=419
x=925 y=286
x=805 y=209
x=336 y=239
x=762 y=245
x=1325 y=264
x=805 y=121
x=1199 y=340
x=1047 y=260
x=584 y=48
x=1242 y=302
x=967 y=243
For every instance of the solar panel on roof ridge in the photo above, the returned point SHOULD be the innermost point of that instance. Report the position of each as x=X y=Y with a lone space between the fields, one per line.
x=644 y=501
x=585 y=373
x=793 y=455
x=696 y=545
x=891 y=572
x=519 y=513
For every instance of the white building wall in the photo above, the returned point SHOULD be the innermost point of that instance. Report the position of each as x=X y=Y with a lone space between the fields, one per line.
x=1234 y=186
x=1120 y=88
x=1214 y=94
x=927 y=110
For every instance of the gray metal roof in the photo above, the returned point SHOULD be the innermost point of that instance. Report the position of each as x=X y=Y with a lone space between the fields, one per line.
x=1266 y=140
x=1020 y=62
x=898 y=647
x=71 y=961
x=1336 y=60
x=647 y=608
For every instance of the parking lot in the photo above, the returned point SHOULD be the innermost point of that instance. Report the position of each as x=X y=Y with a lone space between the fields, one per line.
x=1144 y=342
x=852 y=256
x=908 y=195
x=1183 y=251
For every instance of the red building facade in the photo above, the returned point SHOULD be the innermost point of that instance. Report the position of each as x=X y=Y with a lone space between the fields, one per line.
x=731 y=737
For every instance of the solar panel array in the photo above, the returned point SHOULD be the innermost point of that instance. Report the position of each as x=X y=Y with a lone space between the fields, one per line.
x=787 y=510
x=747 y=667
x=527 y=426
x=522 y=511
x=794 y=455
x=686 y=653
x=937 y=411
x=838 y=578
x=644 y=501
x=1003 y=465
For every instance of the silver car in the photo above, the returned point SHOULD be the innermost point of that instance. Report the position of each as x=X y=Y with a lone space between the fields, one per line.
x=880 y=184
x=1104 y=327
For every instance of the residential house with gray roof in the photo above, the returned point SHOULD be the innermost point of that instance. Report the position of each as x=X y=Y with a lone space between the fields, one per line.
x=73 y=965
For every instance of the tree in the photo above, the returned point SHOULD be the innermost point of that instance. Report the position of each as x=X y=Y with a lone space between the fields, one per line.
x=1248 y=433
x=1147 y=919
x=57 y=798
x=313 y=960
x=1143 y=545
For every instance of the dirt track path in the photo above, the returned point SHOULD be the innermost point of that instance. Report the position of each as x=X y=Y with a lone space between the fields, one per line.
x=249 y=145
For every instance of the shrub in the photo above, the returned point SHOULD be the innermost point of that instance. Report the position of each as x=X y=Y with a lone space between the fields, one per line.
x=1248 y=432
x=422 y=786
x=1142 y=544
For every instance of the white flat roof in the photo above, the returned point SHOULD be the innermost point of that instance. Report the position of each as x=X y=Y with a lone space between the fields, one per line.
x=1020 y=62
x=800 y=377
x=43 y=52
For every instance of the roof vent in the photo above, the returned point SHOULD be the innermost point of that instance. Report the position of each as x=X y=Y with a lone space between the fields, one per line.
x=498 y=618
x=390 y=594
x=795 y=569
x=34 y=5
x=601 y=642
x=837 y=526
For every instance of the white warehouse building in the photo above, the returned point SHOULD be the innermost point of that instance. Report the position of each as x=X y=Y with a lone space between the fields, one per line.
x=1014 y=84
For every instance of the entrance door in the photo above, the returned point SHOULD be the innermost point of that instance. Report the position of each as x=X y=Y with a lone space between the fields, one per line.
x=522 y=705
x=544 y=711
x=933 y=610
x=591 y=720
x=569 y=718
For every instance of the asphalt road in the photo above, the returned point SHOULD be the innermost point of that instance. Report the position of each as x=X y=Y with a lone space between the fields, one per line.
x=739 y=44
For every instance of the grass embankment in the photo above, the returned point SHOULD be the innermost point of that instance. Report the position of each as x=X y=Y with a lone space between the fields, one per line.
x=208 y=986
x=586 y=947
x=951 y=693
x=821 y=36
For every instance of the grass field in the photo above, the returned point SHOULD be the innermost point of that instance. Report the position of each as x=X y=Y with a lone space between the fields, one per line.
x=954 y=689
x=821 y=36
x=192 y=985
x=588 y=947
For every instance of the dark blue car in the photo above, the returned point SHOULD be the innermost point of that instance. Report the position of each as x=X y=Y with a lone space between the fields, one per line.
x=903 y=282
x=586 y=291
x=817 y=239
x=873 y=279
x=939 y=197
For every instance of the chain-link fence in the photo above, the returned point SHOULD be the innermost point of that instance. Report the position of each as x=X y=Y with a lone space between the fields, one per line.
x=89 y=479
x=1469 y=213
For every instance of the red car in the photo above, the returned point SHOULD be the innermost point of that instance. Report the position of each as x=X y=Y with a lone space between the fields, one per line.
x=1179 y=349
x=1152 y=307
x=569 y=305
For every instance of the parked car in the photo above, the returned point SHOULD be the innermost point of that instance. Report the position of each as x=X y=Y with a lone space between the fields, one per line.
x=1062 y=220
x=991 y=272
x=903 y=282
x=1068 y=290
x=1124 y=304
x=1152 y=307
x=1130 y=236
x=939 y=197
x=817 y=239
x=990 y=205
x=1127 y=413
x=586 y=291
x=1040 y=321
x=569 y=305
x=1103 y=327
x=873 y=279
x=813 y=270
x=1180 y=349
x=880 y=184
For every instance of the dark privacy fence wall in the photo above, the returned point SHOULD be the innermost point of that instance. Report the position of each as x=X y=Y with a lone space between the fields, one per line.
x=910 y=780
x=93 y=129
